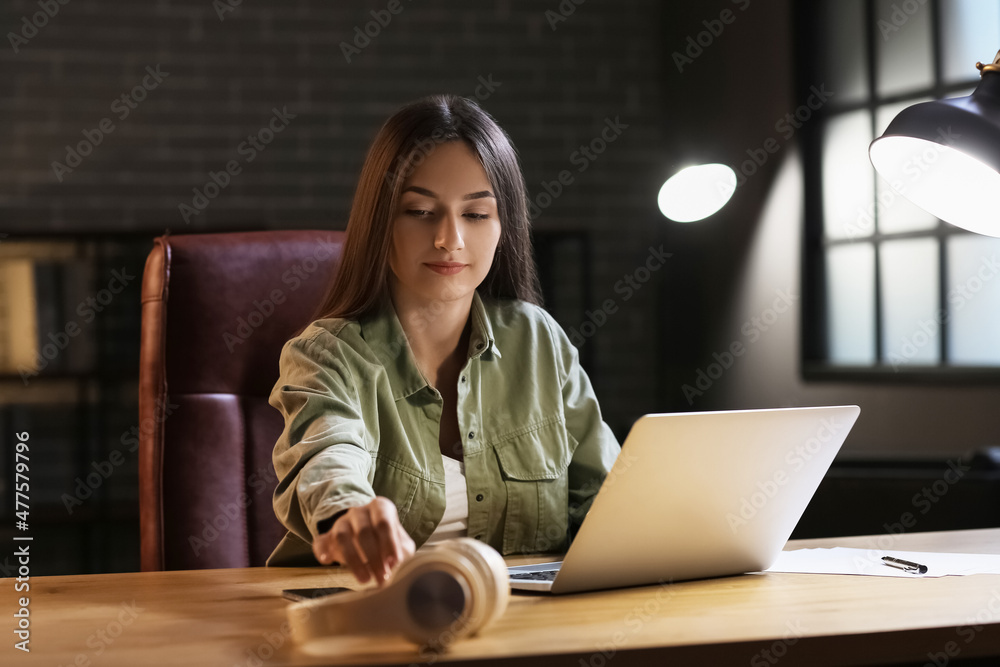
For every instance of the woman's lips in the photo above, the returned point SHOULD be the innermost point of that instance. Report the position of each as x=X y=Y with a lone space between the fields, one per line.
x=446 y=268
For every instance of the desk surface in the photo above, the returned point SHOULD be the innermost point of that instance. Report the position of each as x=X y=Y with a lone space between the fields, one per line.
x=236 y=617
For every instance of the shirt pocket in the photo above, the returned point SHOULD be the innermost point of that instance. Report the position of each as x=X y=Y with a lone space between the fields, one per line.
x=406 y=490
x=534 y=465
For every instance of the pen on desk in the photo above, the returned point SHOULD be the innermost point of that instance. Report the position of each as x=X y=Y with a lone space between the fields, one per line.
x=899 y=563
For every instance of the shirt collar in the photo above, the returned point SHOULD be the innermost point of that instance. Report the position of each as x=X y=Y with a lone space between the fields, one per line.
x=385 y=336
x=481 y=338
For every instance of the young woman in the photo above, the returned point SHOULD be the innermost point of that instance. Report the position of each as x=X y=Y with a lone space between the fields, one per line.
x=434 y=397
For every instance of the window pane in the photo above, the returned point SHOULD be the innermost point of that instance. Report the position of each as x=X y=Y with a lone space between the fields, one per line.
x=843 y=65
x=848 y=177
x=970 y=33
x=895 y=212
x=904 y=52
x=850 y=295
x=973 y=300
x=911 y=322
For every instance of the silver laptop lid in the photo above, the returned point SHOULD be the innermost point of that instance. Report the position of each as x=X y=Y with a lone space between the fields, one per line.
x=703 y=494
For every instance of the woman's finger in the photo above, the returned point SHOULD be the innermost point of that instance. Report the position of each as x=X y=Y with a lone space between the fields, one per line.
x=323 y=549
x=404 y=544
x=344 y=534
x=385 y=521
x=369 y=543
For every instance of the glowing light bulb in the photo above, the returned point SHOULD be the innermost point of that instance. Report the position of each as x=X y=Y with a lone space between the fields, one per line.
x=941 y=180
x=696 y=192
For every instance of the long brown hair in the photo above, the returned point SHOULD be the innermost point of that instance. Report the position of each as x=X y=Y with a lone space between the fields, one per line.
x=361 y=285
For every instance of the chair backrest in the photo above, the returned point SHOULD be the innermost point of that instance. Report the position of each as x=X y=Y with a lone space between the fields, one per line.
x=216 y=309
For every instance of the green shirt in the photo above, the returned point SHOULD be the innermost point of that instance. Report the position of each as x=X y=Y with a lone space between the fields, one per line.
x=361 y=421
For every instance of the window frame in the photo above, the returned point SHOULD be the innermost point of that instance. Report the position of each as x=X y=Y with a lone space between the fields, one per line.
x=810 y=40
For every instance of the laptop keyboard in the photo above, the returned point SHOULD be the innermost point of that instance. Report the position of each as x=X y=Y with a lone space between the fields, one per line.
x=544 y=575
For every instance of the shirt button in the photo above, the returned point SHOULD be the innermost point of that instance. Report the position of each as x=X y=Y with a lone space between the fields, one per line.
x=463 y=378
x=472 y=434
x=479 y=346
x=479 y=498
x=479 y=537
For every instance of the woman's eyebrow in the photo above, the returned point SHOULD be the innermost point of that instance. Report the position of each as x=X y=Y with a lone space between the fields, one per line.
x=471 y=195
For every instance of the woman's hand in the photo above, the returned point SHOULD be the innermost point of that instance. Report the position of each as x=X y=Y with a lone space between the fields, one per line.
x=368 y=539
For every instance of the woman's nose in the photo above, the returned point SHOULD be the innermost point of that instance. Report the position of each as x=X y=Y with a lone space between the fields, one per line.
x=449 y=233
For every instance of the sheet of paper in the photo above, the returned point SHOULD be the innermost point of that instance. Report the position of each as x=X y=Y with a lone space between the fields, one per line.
x=841 y=560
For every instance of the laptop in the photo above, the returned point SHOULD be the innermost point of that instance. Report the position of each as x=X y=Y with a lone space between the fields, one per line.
x=695 y=495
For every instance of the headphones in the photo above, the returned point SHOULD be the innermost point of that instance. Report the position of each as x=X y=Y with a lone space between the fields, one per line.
x=440 y=594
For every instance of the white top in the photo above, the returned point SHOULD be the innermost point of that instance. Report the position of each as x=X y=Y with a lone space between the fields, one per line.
x=455 y=522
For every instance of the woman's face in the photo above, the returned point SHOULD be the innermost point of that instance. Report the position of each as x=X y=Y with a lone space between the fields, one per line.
x=446 y=229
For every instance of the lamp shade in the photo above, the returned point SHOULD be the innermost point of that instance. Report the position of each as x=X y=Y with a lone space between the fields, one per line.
x=944 y=155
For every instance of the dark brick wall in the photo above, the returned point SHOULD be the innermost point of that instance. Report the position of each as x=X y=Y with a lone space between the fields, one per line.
x=211 y=74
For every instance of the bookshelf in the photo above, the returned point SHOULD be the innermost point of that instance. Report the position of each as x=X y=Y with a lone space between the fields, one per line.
x=69 y=335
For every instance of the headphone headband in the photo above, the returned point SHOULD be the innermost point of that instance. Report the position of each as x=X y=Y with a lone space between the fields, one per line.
x=440 y=594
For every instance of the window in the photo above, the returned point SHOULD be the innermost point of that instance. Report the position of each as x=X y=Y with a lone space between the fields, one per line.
x=891 y=289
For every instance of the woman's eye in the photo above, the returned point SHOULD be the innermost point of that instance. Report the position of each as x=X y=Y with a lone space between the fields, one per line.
x=421 y=213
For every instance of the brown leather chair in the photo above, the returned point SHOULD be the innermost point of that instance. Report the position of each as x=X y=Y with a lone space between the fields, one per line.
x=216 y=309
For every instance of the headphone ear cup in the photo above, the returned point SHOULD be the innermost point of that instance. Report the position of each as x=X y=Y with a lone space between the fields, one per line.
x=453 y=590
x=493 y=576
x=437 y=596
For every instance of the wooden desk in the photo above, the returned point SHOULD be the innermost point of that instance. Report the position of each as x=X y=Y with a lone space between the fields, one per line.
x=236 y=617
